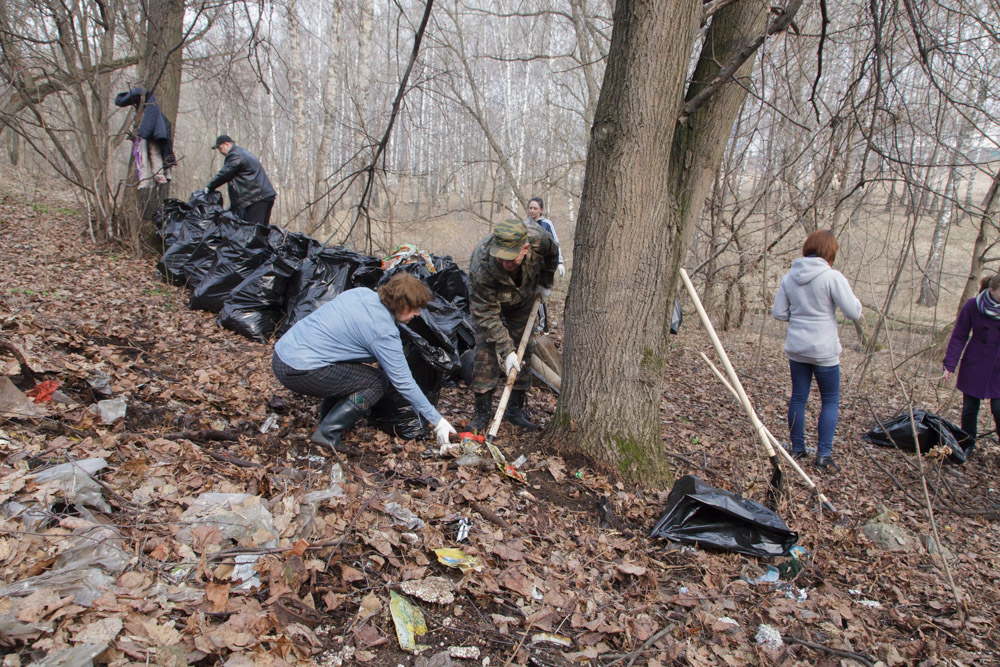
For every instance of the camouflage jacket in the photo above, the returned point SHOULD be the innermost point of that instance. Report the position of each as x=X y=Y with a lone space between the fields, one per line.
x=492 y=290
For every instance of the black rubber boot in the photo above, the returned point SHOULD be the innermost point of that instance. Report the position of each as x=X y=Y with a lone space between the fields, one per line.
x=330 y=431
x=826 y=463
x=484 y=405
x=329 y=403
x=515 y=411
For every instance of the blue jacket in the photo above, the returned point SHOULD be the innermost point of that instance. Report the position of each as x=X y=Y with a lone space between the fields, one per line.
x=355 y=327
x=154 y=126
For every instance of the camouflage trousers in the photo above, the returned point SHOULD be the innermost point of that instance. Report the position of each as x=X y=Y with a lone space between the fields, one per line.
x=486 y=368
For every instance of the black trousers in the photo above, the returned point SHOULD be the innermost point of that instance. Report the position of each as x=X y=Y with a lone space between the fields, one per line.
x=257 y=212
x=970 y=417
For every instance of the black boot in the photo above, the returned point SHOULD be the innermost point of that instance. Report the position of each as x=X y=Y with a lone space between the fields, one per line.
x=331 y=427
x=484 y=405
x=328 y=404
x=515 y=411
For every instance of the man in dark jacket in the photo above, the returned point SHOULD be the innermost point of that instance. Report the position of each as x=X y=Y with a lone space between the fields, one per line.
x=250 y=193
x=508 y=269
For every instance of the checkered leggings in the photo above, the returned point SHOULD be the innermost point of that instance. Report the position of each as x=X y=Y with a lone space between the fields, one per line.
x=335 y=380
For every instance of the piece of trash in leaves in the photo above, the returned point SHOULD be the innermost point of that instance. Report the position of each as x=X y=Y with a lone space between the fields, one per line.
x=769 y=577
x=464 y=652
x=269 y=423
x=462 y=529
x=409 y=622
x=549 y=638
x=520 y=461
x=403 y=516
x=458 y=559
x=436 y=590
x=111 y=410
x=43 y=391
x=700 y=514
x=768 y=637
x=797 y=559
x=100 y=383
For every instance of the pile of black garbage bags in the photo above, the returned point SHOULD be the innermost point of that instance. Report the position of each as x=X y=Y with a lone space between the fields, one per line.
x=262 y=279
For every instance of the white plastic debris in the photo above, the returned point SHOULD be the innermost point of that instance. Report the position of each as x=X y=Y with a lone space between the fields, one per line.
x=238 y=516
x=74 y=483
x=112 y=409
x=404 y=516
x=464 y=652
x=81 y=655
x=874 y=604
x=100 y=383
x=244 y=571
x=768 y=637
x=269 y=423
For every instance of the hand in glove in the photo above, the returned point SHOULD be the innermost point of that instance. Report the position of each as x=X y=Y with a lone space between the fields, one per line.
x=562 y=270
x=205 y=191
x=511 y=362
x=442 y=429
x=543 y=292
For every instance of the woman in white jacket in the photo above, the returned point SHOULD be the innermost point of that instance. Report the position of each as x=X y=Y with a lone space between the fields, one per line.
x=807 y=299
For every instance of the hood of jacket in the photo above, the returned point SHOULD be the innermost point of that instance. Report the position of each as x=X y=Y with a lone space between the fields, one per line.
x=806 y=269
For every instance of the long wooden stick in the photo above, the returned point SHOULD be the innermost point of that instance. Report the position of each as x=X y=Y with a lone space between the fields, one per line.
x=512 y=376
x=774 y=441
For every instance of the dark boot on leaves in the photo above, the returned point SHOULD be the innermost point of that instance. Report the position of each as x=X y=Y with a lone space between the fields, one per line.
x=332 y=426
x=515 y=411
x=328 y=404
x=484 y=405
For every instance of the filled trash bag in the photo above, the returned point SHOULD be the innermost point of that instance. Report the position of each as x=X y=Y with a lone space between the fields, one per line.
x=171 y=263
x=257 y=305
x=229 y=232
x=932 y=431
x=708 y=517
x=450 y=282
x=323 y=275
x=233 y=264
x=393 y=414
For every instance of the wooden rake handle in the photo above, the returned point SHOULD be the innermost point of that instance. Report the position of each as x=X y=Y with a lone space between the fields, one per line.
x=512 y=376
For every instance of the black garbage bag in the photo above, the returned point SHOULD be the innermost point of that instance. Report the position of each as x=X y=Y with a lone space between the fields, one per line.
x=257 y=305
x=430 y=357
x=229 y=232
x=171 y=263
x=450 y=282
x=932 y=431
x=232 y=265
x=700 y=514
x=324 y=274
x=677 y=318
x=454 y=325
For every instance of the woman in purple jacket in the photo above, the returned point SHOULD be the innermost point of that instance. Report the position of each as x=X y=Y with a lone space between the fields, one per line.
x=979 y=368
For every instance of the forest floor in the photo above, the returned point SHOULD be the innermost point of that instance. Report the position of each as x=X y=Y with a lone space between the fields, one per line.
x=128 y=572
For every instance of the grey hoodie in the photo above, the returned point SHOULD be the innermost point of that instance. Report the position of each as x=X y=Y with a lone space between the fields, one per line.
x=807 y=299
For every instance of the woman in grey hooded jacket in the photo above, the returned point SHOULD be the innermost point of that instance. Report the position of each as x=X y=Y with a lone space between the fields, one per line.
x=807 y=299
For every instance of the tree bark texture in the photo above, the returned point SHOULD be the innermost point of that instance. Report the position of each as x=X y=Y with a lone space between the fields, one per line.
x=646 y=180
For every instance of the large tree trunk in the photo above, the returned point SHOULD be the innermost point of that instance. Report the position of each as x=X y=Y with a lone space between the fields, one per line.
x=160 y=68
x=646 y=180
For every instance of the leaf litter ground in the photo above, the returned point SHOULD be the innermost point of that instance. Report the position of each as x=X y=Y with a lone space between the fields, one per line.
x=556 y=562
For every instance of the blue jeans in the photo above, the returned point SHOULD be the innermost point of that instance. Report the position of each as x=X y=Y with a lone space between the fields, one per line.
x=828 y=381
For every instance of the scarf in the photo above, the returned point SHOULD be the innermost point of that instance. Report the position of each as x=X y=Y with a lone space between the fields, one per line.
x=988 y=305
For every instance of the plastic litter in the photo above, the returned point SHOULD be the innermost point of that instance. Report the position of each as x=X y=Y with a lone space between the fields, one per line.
x=932 y=431
x=462 y=527
x=73 y=482
x=549 y=638
x=240 y=517
x=111 y=410
x=269 y=423
x=100 y=383
x=700 y=514
x=245 y=571
x=81 y=655
x=404 y=516
x=15 y=404
x=458 y=559
x=409 y=622
x=768 y=637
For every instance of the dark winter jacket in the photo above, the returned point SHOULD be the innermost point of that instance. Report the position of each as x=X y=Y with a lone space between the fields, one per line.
x=979 y=370
x=154 y=126
x=248 y=184
x=493 y=292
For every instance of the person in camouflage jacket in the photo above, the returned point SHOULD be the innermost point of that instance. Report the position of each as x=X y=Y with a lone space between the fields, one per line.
x=508 y=269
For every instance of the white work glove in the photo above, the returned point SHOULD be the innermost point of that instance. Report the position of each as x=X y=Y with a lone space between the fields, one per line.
x=441 y=431
x=562 y=270
x=205 y=191
x=511 y=362
x=543 y=292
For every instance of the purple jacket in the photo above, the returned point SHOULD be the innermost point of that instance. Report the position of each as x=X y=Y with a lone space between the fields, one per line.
x=979 y=371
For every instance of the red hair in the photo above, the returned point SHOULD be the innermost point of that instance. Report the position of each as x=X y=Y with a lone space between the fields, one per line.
x=404 y=292
x=821 y=243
